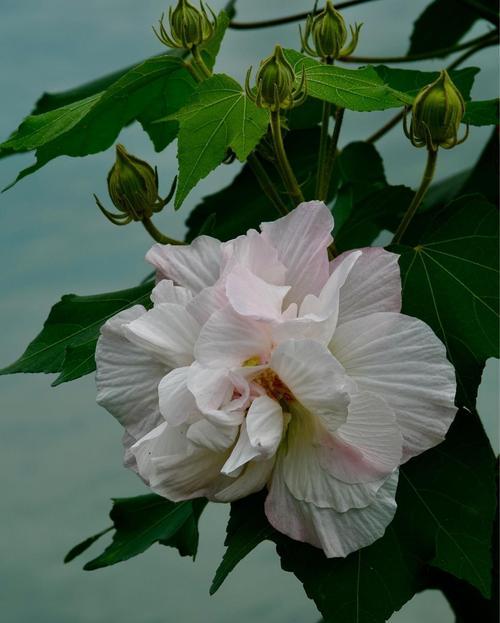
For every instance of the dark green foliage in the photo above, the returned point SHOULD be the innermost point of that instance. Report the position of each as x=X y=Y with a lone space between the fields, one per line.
x=141 y=521
x=67 y=341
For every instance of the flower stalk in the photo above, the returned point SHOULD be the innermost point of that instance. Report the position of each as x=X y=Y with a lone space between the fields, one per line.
x=326 y=175
x=285 y=169
x=427 y=177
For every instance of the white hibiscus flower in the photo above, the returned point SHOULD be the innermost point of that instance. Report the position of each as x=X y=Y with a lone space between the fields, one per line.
x=262 y=364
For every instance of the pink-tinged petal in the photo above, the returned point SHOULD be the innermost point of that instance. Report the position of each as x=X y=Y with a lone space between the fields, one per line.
x=128 y=377
x=256 y=254
x=265 y=425
x=168 y=331
x=195 y=266
x=228 y=340
x=253 y=478
x=302 y=239
x=373 y=285
x=309 y=480
x=208 y=301
x=213 y=390
x=337 y=534
x=206 y=435
x=166 y=292
x=177 y=403
x=242 y=453
x=251 y=296
x=174 y=467
x=315 y=378
x=401 y=360
x=368 y=446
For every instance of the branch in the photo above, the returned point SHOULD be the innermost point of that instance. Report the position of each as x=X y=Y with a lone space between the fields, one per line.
x=298 y=17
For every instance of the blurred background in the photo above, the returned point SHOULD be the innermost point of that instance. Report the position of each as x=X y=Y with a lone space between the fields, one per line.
x=60 y=454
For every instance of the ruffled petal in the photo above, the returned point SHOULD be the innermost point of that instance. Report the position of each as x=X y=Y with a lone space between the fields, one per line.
x=373 y=285
x=177 y=403
x=195 y=266
x=206 y=435
x=400 y=359
x=208 y=301
x=368 y=446
x=176 y=468
x=265 y=425
x=315 y=378
x=256 y=254
x=302 y=239
x=309 y=480
x=166 y=292
x=337 y=534
x=251 y=296
x=253 y=478
x=213 y=389
x=228 y=340
x=168 y=331
x=127 y=377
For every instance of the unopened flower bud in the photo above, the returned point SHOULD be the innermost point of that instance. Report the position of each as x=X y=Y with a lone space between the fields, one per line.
x=275 y=83
x=328 y=34
x=437 y=113
x=133 y=188
x=189 y=26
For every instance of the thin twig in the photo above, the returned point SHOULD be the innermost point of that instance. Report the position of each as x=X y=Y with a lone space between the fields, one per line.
x=278 y=21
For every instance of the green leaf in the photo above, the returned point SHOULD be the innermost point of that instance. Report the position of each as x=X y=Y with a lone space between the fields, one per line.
x=450 y=280
x=186 y=539
x=483 y=178
x=410 y=81
x=484 y=112
x=378 y=210
x=92 y=125
x=446 y=504
x=67 y=341
x=450 y=493
x=219 y=117
x=366 y=204
x=443 y=23
x=84 y=545
x=141 y=521
x=356 y=89
x=247 y=527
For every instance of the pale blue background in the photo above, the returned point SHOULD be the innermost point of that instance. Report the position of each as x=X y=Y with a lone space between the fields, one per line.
x=60 y=454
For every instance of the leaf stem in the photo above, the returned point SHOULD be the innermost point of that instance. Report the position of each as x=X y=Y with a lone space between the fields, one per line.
x=326 y=177
x=156 y=234
x=430 y=168
x=200 y=63
x=266 y=184
x=410 y=58
x=286 y=171
x=288 y=19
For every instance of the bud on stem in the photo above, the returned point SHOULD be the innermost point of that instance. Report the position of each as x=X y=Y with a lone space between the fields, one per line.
x=189 y=27
x=133 y=189
x=437 y=113
x=325 y=35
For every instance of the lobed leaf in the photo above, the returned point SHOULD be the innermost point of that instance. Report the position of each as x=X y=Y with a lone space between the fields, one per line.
x=450 y=280
x=219 y=117
x=484 y=112
x=141 y=521
x=67 y=341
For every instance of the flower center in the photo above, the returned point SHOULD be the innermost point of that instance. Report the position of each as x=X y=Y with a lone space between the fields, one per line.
x=273 y=386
